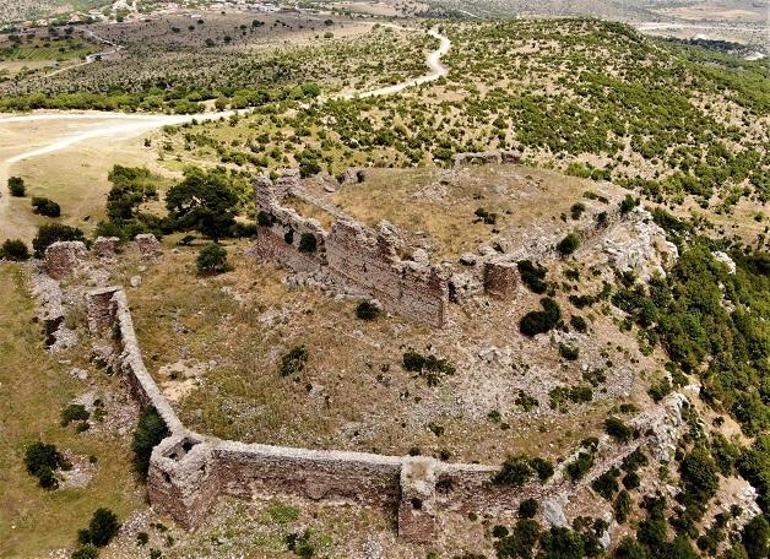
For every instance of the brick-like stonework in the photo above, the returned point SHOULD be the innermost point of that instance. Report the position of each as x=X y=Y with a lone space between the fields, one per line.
x=365 y=260
x=189 y=471
x=62 y=257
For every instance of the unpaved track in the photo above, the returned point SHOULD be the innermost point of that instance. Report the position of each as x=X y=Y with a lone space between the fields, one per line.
x=115 y=126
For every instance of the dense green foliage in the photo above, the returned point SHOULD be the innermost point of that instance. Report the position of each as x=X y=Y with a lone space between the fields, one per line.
x=45 y=206
x=41 y=460
x=50 y=233
x=428 y=366
x=150 y=430
x=14 y=249
x=16 y=186
x=538 y=322
x=103 y=527
x=212 y=260
x=204 y=201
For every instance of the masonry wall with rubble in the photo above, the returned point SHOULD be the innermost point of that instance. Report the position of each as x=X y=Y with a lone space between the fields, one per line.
x=362 y=259
x=189 y=471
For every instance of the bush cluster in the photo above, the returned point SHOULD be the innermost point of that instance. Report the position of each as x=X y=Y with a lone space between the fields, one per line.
x=150 y=430
x=428 y=366
x=539 y=322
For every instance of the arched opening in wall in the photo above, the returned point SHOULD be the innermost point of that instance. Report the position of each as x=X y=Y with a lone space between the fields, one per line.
x=416 y=503
x=167 y=478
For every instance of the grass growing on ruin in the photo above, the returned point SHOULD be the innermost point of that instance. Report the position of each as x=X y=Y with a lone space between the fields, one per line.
x=35 y=386
x=227 y=335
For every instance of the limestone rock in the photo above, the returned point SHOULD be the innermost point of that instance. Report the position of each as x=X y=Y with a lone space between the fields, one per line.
x=725 y=259
x=553 y=512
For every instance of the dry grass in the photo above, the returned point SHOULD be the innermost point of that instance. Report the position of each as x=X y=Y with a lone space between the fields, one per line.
x=35 y=387
x=354 y=393
x=438 y=207
x=75 y=177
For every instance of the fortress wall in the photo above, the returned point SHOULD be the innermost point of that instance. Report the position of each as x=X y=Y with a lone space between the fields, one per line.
x=412 y=289
x=108 y=309
x=353 y=254
x=248 y=470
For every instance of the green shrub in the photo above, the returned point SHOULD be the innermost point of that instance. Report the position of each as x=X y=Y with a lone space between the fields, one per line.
x=519 y=469
x=580 y=465
x=539 y=322
x=660 y=390
x=103 y=527
x=367 y=310
x=485 y=216
x=150 y=430
x=430 y=367
x=15 y=250
x=533 y=276
x=308 y=243
x=293 y=362
x=41 y=460
x=618 y=430
x=17 y=187
x=628 y=203
x=74 y=412
x=212 y=260
x=579 y=324
x=46 y=207
x=528 y=508
x=622 y=506
x=570 y=353
x=568 y=244
x=50 y=233
x=606 y=484
x=86 y=551
x=577 y=210
x=515 y=471
x=264 y=219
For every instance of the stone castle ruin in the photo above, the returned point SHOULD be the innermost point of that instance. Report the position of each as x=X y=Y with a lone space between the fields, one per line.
x=189 y=471
x=374 y=262
x=349 y=254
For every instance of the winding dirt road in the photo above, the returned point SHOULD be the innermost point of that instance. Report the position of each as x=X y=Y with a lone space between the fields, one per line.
x=112 y=126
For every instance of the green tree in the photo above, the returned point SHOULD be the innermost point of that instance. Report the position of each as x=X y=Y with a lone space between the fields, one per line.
x=204 y=201
x=50 y=233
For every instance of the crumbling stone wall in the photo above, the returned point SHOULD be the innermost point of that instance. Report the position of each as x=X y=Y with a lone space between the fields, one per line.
x=485 y=157
x=188 y=471
x=62 y=257
x=371 y=262
x=351 y=253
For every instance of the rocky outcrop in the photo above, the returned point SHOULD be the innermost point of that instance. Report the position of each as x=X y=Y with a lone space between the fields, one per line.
x=637 y=244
